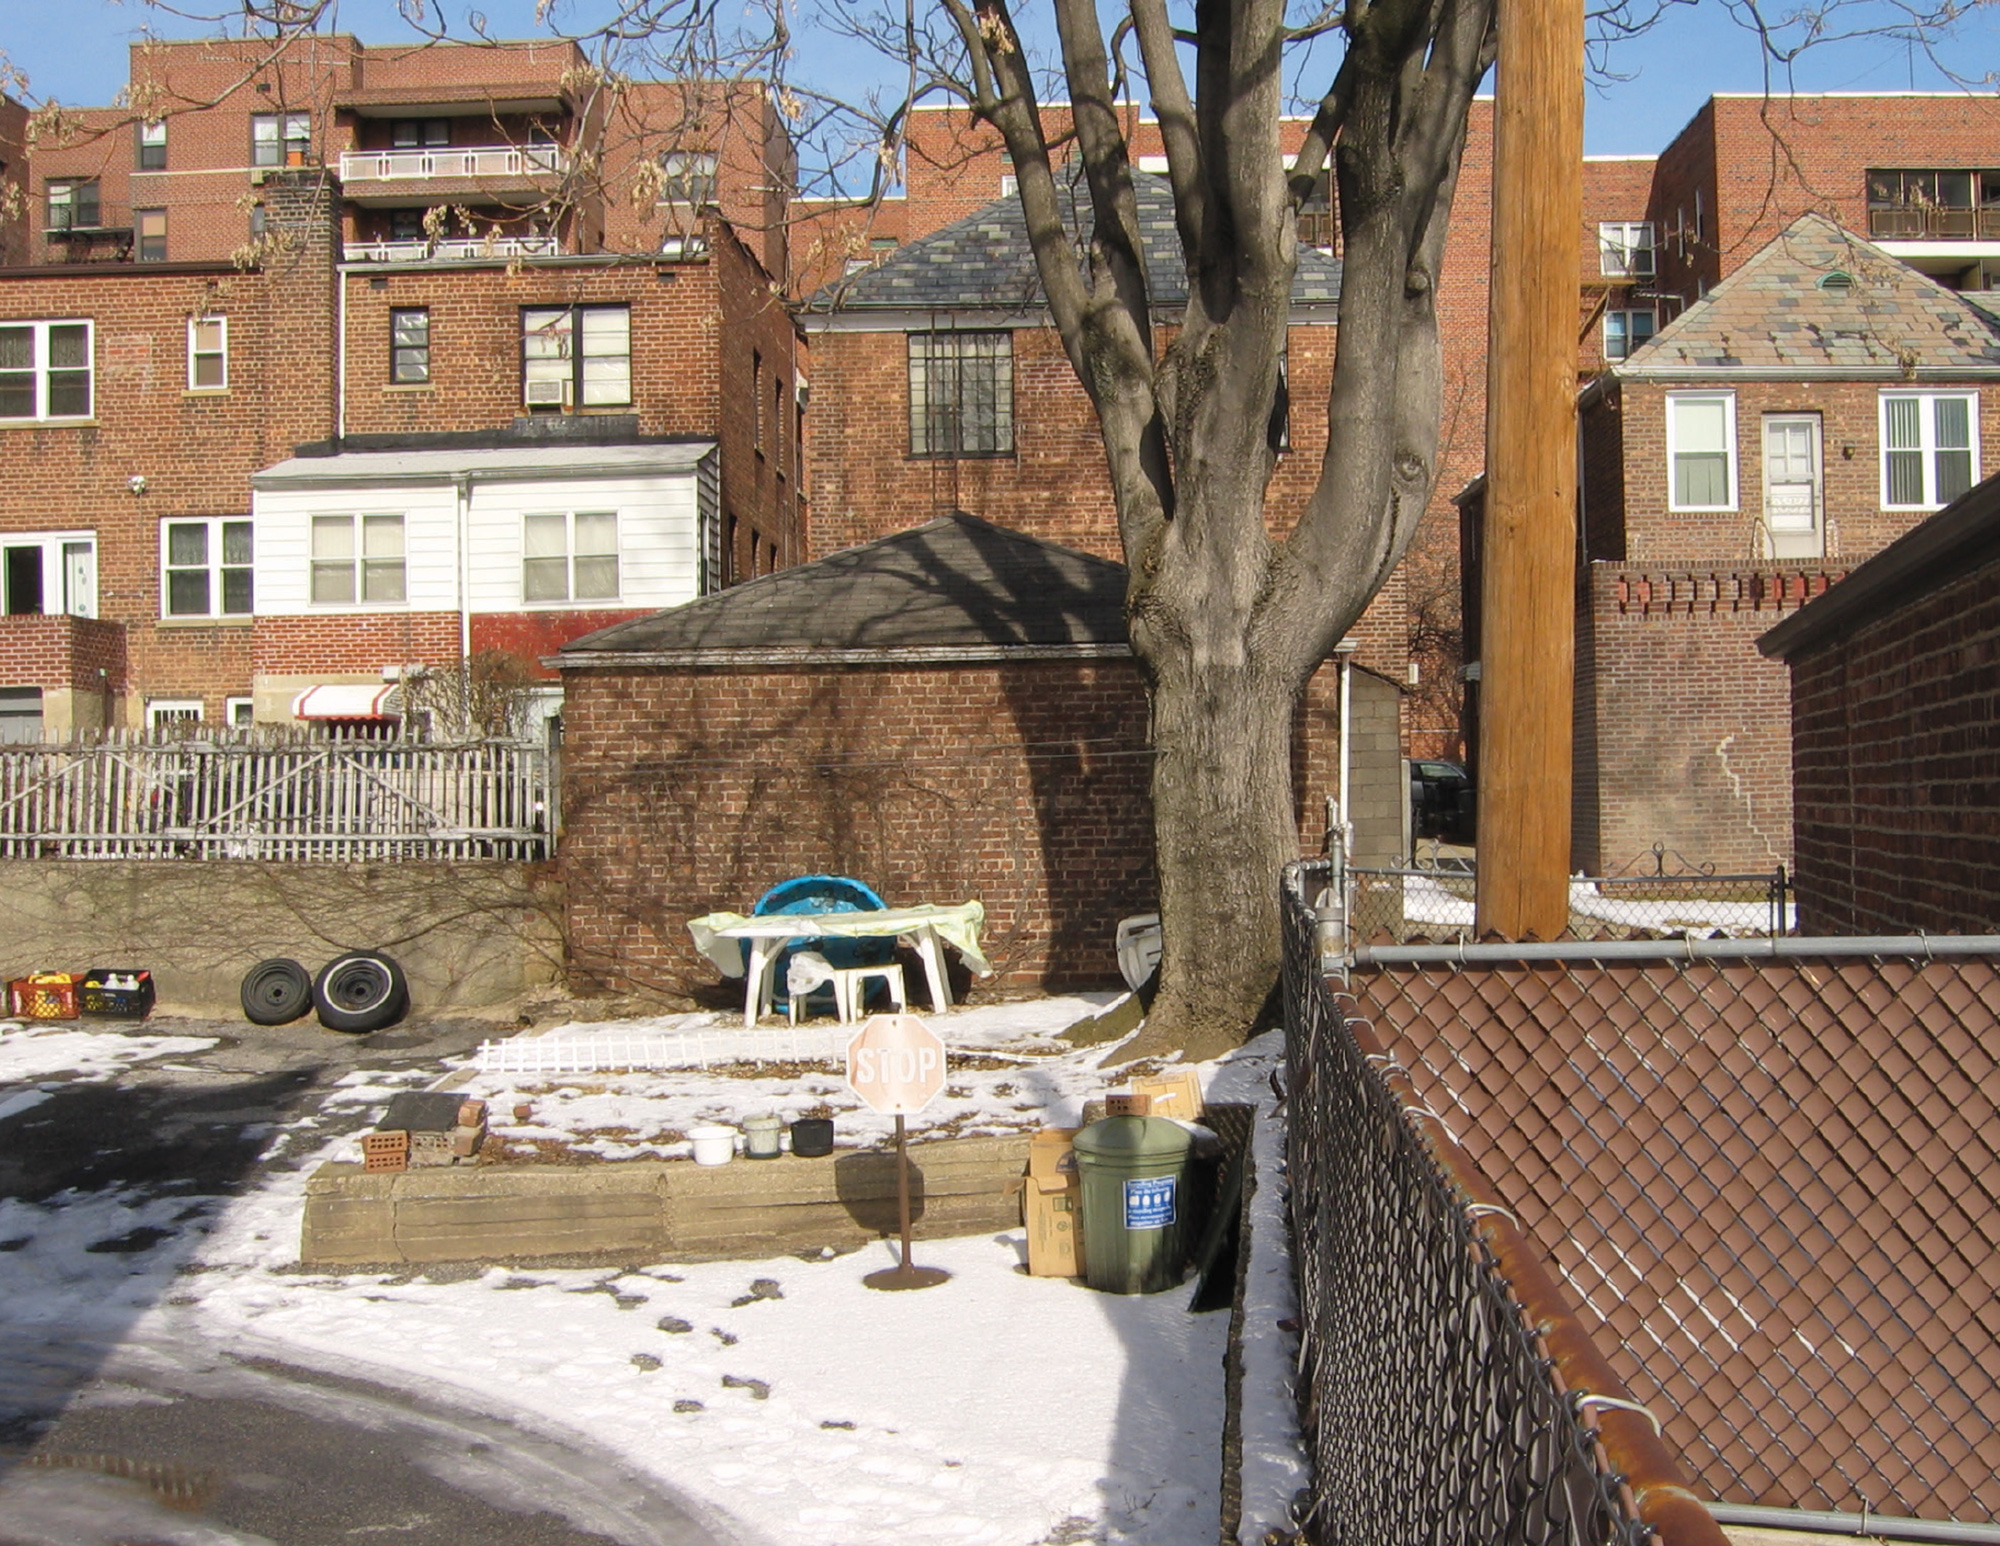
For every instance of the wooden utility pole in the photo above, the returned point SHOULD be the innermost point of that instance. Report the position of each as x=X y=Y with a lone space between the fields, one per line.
x=1526 y=645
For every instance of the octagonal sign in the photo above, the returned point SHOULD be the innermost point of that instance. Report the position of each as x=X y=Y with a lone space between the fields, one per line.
x=895 y=1063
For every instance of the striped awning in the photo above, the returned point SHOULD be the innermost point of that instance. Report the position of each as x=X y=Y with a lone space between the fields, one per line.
x=349 y=700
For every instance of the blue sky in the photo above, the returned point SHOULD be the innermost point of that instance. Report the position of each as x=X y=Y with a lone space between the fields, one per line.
x=74 y=51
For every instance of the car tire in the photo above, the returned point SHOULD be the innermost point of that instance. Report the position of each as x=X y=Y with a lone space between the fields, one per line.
x=360 y=991
x=276 y=992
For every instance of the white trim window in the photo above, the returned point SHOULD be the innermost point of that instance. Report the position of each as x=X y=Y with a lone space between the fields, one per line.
x=48 y=573
x=208 y=354
x=570 y=556
x=358 y=560
x=45 y=370
x=205 y=567
x=1626 y=331
x=1701 y=450
x=575 y=356
x=1625 y=249
x=1930 y=448
x=239 y=713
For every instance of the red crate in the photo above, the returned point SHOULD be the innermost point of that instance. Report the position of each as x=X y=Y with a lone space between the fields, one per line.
x=44 y=996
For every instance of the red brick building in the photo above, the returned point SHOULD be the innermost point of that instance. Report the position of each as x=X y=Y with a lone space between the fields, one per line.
x=1895 y=745
x=352 y=452
x=1816 y=405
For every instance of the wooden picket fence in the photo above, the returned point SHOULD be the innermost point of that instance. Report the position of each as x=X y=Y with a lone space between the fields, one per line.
x=153 y=795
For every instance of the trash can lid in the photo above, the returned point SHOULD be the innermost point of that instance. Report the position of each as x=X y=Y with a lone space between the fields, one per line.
x=1142 y=1138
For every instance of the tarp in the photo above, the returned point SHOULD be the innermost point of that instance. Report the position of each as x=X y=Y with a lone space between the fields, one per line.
x=716 y=934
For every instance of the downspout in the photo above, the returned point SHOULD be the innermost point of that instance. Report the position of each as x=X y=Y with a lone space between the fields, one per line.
x=462 y=488
x=1346 y=757
x=340 y=359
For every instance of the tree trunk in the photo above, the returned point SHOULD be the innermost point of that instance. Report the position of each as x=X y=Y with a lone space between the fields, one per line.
x=1223 y=830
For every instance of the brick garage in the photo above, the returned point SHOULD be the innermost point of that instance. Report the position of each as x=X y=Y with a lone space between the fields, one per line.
x=1895 y=678
x=948 y=713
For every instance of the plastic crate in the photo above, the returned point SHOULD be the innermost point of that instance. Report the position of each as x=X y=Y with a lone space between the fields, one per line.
x=43 y=996
x=116 y=993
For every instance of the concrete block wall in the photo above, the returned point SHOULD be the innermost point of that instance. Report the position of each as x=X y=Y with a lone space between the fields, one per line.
x=1896 y=747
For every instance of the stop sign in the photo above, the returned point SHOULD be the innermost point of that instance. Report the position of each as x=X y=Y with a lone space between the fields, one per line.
x=895 y=1063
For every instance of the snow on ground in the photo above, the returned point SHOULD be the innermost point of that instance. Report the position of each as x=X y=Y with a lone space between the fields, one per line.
x=31 y=1051
x=783 y=1395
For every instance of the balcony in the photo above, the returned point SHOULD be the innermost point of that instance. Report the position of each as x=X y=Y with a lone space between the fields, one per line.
x=1933 y=223
x=465 y=171
x=85 y=222
x=457 y=249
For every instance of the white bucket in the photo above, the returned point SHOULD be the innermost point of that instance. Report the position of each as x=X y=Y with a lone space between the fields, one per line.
x=713 y=1145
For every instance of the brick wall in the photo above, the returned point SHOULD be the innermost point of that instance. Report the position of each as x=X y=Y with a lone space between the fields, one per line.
x=1850 y=418
x=1687 y=739
x=1024 y=786
x=1895 y=747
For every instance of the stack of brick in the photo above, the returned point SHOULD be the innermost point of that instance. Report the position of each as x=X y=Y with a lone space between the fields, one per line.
x=425 y=1127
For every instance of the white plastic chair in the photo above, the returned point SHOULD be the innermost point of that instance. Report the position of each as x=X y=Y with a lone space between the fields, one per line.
x=811 y=970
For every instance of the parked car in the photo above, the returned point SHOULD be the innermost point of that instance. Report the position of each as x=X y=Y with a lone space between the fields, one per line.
x=1441 y=801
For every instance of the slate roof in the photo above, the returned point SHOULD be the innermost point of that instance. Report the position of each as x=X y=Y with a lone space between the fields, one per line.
x=954 y=584
x=1773 y=317
x=984 y=262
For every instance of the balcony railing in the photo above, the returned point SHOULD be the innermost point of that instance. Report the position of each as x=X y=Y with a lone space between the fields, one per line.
x=457 y=249
x=1933 y=222
x=358 y=166
x=86 y=220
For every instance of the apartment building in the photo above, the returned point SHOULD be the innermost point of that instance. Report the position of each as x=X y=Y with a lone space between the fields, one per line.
x=260 y=480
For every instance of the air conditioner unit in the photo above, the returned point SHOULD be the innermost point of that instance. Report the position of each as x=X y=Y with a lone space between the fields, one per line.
x=545 y=394
x=257 y=176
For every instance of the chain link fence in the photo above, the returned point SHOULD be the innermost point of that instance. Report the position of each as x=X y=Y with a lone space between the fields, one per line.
x=1430 y=1408
x=1660 y=896
x=1774 y=1180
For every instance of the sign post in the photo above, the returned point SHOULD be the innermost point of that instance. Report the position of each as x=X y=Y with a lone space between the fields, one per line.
x=895 y=1064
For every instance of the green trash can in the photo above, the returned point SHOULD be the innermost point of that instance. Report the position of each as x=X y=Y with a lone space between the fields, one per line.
x=1134 y=1174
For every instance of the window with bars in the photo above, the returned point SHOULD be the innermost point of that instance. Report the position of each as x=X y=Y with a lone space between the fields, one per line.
x=357 y=559
x=1929 y=448
x=410 y=345
x=206 y=568
x=576 y=356
x=570 y=556
x=961 y=394
x=45 y=370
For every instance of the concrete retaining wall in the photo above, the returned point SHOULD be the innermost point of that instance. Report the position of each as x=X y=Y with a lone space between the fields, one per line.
x=468 y=936
x=662 y=1210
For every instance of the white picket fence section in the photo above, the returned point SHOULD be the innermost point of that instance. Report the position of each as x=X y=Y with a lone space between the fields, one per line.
x=145 y=796
x=593 y=1052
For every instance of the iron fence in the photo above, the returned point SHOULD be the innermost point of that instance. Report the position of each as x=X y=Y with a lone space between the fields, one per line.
x=1771 y=1171
x=1430 y=1403
x=1660 y=896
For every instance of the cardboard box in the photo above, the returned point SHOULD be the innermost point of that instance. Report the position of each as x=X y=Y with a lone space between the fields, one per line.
x=1173 y=1095
x=1052 y=1205
x=1128 y=1103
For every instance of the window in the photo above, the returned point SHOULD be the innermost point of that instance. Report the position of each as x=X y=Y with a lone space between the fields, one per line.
x=1701 y=451
x=153 y=146
x=1624 y=331
x=350 y=564
x=961 y=394
x=410 y=345
x=1625 y=249
x=45 y=370
x=257 y=221
x=1010 y=184
x=208 y=354
x=420 y=133
x=20 y=716
x=161 y=712
x=688 y=177
x=239 y=713
x=1955 y=204
x=1928 y=455
x=150 y=225
x=48 y=574
x=280 y=139
x=570 y=557
x=75 y=205
x=757 y=401
x=576 y=355
x=206 y=564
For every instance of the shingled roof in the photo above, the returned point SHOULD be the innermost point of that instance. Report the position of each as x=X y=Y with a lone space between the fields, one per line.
x=983 y=262
x=955 y=588
x=1821 y=302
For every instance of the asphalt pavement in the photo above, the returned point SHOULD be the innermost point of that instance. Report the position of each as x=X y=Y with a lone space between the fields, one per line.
x=115 y=1436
